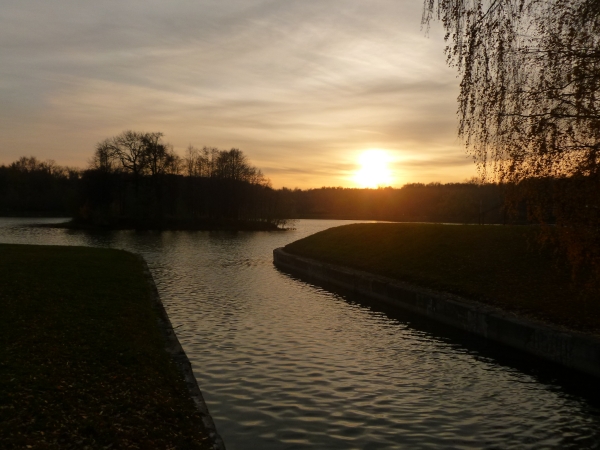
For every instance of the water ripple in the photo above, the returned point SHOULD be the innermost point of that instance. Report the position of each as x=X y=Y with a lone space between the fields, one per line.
x=287 y=365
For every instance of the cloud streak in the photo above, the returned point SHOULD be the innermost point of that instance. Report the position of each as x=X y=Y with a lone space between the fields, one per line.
x=304 y=84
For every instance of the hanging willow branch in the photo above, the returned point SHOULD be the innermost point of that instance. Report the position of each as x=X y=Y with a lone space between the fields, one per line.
x=529 y=108
x=530 y=70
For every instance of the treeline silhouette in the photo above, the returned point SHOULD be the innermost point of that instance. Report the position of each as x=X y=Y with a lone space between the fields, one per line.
x=468 y=202
x=29 y=186
x=135 y=180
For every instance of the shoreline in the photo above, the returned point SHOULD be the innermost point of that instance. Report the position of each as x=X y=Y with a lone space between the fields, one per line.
x=205 y=226
x=86 y=331
x=576 y=350
x=177 y=353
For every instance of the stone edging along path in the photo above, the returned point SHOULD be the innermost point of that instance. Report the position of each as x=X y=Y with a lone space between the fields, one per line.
x=181 y=360
x=574 y=350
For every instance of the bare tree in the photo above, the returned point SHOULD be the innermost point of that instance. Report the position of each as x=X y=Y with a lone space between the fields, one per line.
x=130 y=148
x=159 y=158
x=136 y=153
x=200 y=162
x=190 y=161
x=104 y=159
x=27 y=164
x=211 y=162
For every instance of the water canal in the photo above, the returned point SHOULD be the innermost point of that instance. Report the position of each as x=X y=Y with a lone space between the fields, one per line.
x=287 y=365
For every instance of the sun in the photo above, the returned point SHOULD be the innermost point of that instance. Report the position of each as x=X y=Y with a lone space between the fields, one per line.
x=374 y=170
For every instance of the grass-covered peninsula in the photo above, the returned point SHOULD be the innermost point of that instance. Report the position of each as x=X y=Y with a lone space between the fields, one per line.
x=499 y=265
x=82 y=360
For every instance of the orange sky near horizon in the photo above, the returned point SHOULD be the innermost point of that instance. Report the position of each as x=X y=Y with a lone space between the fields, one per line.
x=302 y=87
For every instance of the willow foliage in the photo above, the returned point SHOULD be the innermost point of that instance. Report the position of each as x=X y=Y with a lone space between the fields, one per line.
x=529 y=106
x=528 y=102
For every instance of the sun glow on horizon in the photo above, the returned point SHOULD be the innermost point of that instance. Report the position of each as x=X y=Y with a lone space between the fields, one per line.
x=374 y=170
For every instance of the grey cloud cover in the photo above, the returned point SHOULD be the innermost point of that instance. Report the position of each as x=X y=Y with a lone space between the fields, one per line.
x=297 y=83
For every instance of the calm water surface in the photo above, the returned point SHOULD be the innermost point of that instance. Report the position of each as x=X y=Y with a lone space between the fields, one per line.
x=286 y=365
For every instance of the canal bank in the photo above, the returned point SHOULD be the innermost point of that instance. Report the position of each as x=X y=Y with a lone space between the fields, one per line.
x=579 y=351
x=181 y=360
x=283 y=364
x=89 y=357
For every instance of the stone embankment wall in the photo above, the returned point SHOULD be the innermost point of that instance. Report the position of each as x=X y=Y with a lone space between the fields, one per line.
x=575 y=350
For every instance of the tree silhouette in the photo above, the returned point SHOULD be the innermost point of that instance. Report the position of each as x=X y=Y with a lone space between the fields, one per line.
x=135 y=179
x=529 y=106
x=31 y=186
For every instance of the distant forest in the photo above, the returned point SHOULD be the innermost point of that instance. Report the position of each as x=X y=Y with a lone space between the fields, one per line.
x=134 y=180
x=467 y=202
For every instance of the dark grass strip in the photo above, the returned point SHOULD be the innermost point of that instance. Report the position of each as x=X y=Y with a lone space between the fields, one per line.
x=498 y=265
x=82 y=360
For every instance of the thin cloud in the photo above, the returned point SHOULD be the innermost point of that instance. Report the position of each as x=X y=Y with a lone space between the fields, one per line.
x=294 y=84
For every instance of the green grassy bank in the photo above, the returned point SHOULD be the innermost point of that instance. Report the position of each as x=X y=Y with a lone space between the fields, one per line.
x=82 y=360
x=498 y=265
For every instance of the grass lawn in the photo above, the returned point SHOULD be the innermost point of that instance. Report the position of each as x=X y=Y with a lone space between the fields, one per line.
x=82 y=360
x=497 y=265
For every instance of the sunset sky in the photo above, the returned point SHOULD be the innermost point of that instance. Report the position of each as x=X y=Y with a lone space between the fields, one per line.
x=303 y=87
